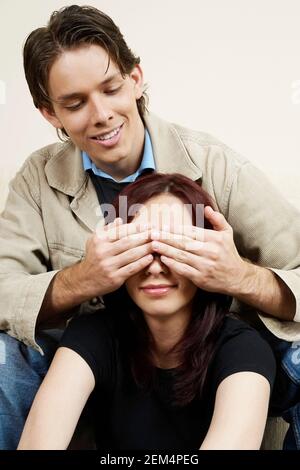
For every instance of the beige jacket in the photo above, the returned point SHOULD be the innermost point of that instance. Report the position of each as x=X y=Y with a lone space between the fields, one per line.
x=52 y=209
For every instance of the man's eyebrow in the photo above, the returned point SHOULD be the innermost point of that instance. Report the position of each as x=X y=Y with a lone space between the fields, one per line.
x=70 y=96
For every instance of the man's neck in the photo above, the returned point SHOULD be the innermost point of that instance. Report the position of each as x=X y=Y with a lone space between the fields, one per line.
x=129 y=165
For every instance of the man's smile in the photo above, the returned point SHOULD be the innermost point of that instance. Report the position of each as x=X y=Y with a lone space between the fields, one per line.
x=110 y=138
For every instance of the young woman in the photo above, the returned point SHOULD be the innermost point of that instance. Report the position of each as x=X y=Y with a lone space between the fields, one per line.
x=168 y=366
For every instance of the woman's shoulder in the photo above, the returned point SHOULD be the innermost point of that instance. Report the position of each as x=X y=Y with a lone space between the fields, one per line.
x=241 y=344
x=241 y=348
x=94 y=338
x=102 y=319
x=86 y=329
x=233 y=327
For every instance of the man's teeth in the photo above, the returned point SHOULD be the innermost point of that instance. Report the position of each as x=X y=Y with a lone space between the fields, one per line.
x=110 y=135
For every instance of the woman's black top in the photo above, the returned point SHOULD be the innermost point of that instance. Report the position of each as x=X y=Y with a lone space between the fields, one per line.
x=128 y=417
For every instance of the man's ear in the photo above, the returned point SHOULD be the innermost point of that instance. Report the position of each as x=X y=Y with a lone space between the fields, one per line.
x=51 y=117
x=138 y=79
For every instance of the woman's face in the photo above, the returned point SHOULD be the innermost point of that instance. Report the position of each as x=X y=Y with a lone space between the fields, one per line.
x=156 y=290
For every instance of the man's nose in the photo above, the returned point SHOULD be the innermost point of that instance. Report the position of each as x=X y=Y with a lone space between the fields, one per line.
x=100 y=111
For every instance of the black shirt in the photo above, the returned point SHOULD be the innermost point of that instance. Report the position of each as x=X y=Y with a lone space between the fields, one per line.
x=108 y=189
x=128 y=417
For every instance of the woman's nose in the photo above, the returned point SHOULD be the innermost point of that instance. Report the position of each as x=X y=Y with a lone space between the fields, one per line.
x=156 y=267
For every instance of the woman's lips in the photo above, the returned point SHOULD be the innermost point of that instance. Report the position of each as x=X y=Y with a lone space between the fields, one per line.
x=157 y=290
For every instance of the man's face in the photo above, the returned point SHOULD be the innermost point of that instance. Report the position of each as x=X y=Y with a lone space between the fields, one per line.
x=97 y=108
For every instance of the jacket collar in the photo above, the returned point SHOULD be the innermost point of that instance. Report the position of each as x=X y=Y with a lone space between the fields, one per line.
x=169 y=151
x=64 y=170
x=65 y=173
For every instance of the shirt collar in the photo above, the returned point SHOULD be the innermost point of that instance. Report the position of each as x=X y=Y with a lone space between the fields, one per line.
x=147 y=163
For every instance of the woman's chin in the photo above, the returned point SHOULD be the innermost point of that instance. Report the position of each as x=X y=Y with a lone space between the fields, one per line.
x=158 y=313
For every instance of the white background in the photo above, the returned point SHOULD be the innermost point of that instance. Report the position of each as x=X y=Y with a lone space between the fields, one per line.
x=227 y=67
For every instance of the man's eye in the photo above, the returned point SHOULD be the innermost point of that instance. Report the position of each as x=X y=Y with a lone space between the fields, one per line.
x=73 y=107
x=113 y=91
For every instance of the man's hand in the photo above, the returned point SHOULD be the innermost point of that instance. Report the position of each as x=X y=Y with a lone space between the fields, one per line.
x=208 y=258
x=113 y=255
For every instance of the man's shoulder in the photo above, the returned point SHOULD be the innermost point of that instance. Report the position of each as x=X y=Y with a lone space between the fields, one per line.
x=34 y=167
x=43 y=155
x=206 y=142
x=197 y=136
x=195 y=141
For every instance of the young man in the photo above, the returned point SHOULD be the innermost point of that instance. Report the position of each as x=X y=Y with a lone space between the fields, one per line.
x=87 y=83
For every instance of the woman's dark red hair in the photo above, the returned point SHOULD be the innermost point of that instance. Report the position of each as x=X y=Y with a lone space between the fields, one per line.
x=197 y=346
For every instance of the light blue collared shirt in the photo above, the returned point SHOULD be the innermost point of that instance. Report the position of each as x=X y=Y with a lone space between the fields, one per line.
x=147 y=163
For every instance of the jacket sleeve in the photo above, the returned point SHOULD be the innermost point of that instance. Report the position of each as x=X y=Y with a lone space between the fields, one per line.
x=25 y=269
x=266 y=227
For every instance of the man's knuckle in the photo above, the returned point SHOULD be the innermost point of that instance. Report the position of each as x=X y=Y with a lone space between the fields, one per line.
x=210 y=267
x=186 y=245
x=106 y=267
x=111 y=278
x=98 y=255
x=219 y=240
x=182 y=256
x=215 y=253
